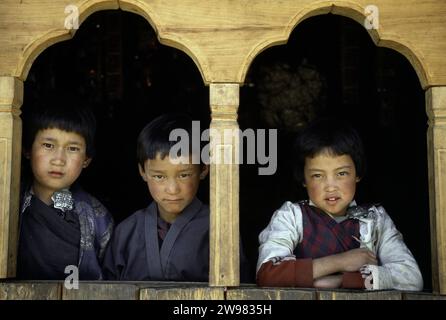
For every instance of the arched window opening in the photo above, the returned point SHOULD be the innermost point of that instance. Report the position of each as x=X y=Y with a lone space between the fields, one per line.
x=116 y=65
x=330 y=66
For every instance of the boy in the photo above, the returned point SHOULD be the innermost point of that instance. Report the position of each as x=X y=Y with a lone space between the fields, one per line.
x=168 y=240
x=329 y=241
x=60 y=224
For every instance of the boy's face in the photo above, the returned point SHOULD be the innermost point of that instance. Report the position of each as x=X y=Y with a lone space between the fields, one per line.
x=331 y=182
x=172 y=186
x=57 y=158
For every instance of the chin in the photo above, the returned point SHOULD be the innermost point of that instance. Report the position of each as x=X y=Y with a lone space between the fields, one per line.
x=339 y=213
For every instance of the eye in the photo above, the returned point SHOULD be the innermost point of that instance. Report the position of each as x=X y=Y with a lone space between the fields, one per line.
x=157 y=177
x=47 y=145
x=316 y=175
x=74 y=149
x=185 y=175
x=343 y=173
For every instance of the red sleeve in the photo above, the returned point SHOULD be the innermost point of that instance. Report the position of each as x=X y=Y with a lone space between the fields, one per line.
x=290 y=273
x=352 y=280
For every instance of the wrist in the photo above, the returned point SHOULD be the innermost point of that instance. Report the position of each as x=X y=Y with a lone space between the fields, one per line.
x=339 y=262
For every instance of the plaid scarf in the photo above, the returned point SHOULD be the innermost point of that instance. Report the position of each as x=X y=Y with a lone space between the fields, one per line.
x=323 y=236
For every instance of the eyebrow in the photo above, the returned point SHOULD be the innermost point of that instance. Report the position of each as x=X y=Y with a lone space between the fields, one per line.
x=156 y=171
x=162 y=171
x=55 y=140
x=338 y=168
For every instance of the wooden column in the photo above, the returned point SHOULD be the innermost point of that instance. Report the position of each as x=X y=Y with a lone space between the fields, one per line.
x=224 y=186
x=436 y=144
x=11 y=95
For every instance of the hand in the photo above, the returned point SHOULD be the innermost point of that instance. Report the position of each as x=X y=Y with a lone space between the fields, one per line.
x=353 y=260
x=328 y=282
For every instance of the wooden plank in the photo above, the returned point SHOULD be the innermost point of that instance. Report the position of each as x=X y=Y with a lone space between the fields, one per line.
x=269 y=294
x=436 y=147
x=204 y=293
x=224 y=187
x=423 y=296
x=30 y=291
x=11 y=97
x=102 y=291
x=359 y=295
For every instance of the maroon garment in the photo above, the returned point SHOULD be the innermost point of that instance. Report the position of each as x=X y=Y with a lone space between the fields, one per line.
x=323 y=236
x=162 y=227
x=291 y=273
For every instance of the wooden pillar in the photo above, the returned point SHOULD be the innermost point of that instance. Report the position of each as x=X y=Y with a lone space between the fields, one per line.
x=436 y=144
x=11 y=95
x=224 y=186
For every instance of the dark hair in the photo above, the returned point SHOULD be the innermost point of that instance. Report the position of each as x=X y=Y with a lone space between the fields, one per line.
x=63 y=113
x=154 y=138
x=331 y=135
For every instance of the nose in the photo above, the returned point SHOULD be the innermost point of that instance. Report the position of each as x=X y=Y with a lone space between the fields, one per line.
x=59 y=157
x=331 y=184
x=172 y=186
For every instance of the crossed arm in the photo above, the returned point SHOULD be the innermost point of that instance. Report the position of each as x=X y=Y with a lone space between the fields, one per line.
x=277 y=266
x=325 y=269
x=331 y=271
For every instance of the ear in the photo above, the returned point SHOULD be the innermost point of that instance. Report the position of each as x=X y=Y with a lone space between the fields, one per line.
x=86 y=163
x=358 y=179
x=204 y=171
x=142 y=173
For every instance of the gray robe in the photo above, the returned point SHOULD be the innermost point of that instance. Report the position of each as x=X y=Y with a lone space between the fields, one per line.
x=134 y=252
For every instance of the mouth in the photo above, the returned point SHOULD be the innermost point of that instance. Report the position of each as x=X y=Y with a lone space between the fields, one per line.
x=56 y=174
x=332 y=200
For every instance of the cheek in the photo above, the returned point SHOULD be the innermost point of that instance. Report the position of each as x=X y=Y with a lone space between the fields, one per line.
x=37 y=161
x=78 y=163
x=349 y=187
x=314 y=189
x=75 y=166
x=154 y=189
x=192 y=186
x=353 y=187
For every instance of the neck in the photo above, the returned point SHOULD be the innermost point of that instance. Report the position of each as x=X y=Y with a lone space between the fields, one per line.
x=329 y=214
x=170 y=218
x=43 y=195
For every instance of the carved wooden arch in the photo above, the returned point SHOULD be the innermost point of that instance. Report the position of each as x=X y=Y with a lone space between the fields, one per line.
x=33 y=49
x=174 y=37
x=351 y=10
x=193 y=39
x=182 y=37
x=53 y=36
